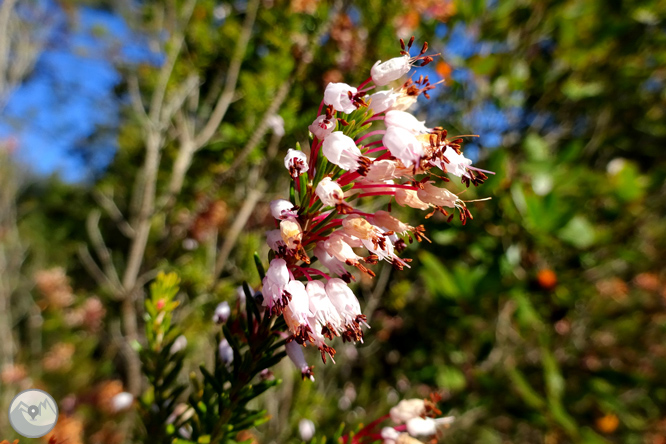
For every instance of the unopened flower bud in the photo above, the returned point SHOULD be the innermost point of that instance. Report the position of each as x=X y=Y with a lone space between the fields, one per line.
x=122 y=401
x=306 y=429
x=222 y=312
x=225 y=352
x=179 y=344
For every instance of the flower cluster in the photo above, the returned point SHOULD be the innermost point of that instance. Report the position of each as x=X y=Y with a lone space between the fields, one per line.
x=412 y=419
x=349 y=161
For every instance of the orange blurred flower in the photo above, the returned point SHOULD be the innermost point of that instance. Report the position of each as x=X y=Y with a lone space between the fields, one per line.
x=608 y=423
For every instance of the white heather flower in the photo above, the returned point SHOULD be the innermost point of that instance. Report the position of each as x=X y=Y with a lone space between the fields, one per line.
x=322 y=127
x=437 y=196
x=382 y=100
x=390 y=70
x=329 y=192
x=222 y=312
x=276 y=123
x=407 y=409
x=295 y=353
x=345 y=302
x=333 y=265
x=405 y=120
x=179 y=344
x=404 y=101
x=306 y=429
x=337 y=246
x=274 y=240
x=282 y=209
x=389 y=435
x=457 y=162
x=323 y=311
x=403 y=145
x=341 y=150
x=296 y=162
x=343 y=299
x=122 y=401
x=426 y=426
x=274 y=283
x=410 y=198
x=359 y=227
x=297 y=311
x=381 y=245
x=384 y=219
x=225 y=352
x=381 y=170
x=291 y=232
x=337 y=95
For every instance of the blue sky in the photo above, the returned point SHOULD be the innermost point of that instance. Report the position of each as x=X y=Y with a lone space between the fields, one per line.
x=70 y=94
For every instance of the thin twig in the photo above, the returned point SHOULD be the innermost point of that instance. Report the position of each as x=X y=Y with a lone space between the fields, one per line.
x=231 y=79
x=114 y=212
x=93 y=270
x=237 y=227
x=102 y=251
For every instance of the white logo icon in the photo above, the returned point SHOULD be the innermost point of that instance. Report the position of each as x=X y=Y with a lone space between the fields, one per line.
x=33 y=413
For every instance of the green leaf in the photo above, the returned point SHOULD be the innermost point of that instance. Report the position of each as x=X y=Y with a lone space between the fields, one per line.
x=536 y=147
x=437 y=278
x=552 y=375
x=579 y=232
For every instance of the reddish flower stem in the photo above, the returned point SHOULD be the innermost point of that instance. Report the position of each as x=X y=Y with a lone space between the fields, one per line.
x=386 y=193
x=371 y=133
x=302 y=271
x=331 y=224
x=315 y=271
x=375 y=150
x=373 y=143
x=313 y=158
x=385 y=185
x=365 y=82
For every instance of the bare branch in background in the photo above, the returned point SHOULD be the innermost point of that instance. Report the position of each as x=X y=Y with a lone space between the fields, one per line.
x=114 y=212
x=103 y=253
x=231 y=78
x=19 y=48
x=189 y=146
